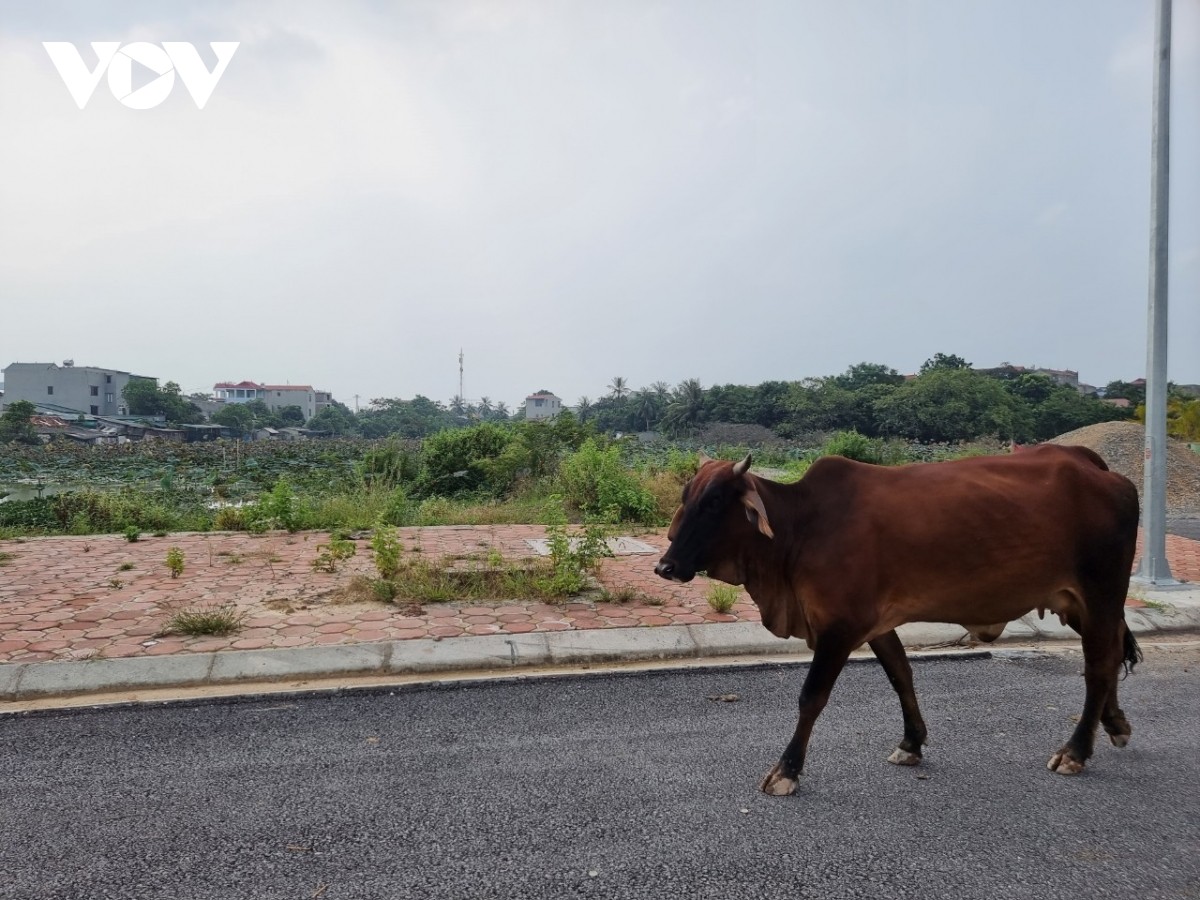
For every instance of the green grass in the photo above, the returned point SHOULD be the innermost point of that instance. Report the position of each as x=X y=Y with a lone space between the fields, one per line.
x=722 y=597
x=6 y=558
x=206 y=620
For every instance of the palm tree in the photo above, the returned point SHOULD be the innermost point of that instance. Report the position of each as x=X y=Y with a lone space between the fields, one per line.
x=500 y=410
x=485 y=408
x=618 y=388
x=646 y=406
x=662 y=390
x=583 y=408
x=687 y=405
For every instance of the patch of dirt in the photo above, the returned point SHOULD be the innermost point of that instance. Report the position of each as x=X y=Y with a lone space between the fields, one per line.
x=1123 y=447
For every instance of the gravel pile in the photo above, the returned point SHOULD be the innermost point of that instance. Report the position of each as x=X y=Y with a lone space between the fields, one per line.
x=1123 y=446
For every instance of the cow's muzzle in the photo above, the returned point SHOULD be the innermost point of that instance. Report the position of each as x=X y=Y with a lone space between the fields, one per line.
x=668 y=570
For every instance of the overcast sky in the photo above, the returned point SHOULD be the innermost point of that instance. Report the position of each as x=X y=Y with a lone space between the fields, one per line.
x=571 y=191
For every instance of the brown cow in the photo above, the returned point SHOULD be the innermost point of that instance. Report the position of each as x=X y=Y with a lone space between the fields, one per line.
x=851 y=551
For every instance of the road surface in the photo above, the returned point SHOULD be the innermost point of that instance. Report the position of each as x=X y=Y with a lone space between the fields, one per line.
x=634 y=786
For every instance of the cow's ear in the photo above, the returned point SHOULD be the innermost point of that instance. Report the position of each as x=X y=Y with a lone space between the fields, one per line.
x=702 y=458
x=757 y=513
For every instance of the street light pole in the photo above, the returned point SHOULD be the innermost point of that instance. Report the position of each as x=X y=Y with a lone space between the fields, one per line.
x=1154 y=567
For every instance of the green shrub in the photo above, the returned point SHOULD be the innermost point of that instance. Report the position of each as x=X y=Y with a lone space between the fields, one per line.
x=399 y=509
x=132 y=534
x=278 y=509
x=598 y=485
x=230 y=518
x=852 y=445
x=390 y=466
x=37 y=514
x=457 y=460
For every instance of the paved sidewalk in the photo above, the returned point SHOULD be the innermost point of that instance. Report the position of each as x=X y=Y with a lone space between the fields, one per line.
x=103 y=600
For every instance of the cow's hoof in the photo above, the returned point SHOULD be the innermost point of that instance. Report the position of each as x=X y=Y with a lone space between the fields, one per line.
x=1064 y=765
x=902 y=757
x=777 y=784
x=1119 y=740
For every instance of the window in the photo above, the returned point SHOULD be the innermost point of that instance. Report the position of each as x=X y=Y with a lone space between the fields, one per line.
x=538 y=402
x=95 y=410
x=108 y=379
x=95 y=391
x=49 y=389
x=279 y=393
x=108 y=398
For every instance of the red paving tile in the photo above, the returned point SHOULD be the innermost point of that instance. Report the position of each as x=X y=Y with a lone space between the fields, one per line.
x=54 y=603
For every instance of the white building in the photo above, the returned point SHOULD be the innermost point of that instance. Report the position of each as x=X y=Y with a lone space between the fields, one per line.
x=85 y=390
x=542 y=405
x=275 y=396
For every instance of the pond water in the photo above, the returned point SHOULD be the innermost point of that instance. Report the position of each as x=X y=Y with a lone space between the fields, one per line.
x=28 y=491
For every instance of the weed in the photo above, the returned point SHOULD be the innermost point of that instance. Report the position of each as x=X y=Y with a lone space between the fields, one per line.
x=383 y=589
x=6 y=558
x=175 y=561
x=132 y=534
x=280 y=506
x=722 y=597
x=629 y=595
x=387 y=550
x=160 y=533
x=125 y=567
x=198 y=620
x=115 y=583
x=329 y=555
x=572 y=558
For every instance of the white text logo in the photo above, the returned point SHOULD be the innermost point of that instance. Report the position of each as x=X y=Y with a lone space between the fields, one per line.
x=161 y=61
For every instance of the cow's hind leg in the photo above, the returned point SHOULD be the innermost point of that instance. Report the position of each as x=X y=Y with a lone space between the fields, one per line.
x=1102 y=653
x=829 y=657
x=890 y=652
x=1113 y=718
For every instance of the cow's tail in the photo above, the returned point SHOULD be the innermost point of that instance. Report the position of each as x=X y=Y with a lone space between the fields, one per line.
x=1133 y=653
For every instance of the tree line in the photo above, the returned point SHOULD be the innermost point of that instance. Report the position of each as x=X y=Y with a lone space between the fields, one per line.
x=947 y=401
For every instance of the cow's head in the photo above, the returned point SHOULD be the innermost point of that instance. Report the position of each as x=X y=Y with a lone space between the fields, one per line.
x=721 y=510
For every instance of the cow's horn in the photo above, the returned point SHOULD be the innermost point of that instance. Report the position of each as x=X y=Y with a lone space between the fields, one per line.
x=741 y=468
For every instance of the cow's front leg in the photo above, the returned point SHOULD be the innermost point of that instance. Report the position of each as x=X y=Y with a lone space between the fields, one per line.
x=828 y=660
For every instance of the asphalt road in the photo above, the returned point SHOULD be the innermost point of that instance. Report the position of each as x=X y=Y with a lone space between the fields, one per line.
x=630 y=786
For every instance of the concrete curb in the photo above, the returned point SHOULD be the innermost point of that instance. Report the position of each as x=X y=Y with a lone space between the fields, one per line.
x=1176 y=610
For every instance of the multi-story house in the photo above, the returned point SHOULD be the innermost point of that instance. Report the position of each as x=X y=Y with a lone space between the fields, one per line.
x=275 y=396
x=84 y=390
x=542 y=405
